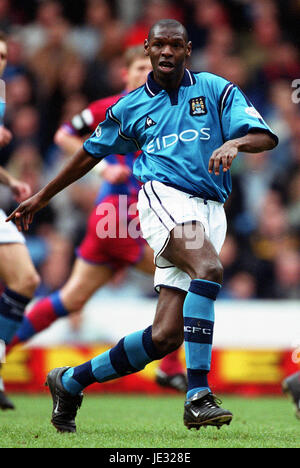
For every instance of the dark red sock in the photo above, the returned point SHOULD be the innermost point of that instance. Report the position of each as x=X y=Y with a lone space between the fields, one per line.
x=39 y=317
x=171 y=363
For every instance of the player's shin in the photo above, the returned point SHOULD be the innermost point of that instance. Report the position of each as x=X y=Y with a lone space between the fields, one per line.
x=198 y=312
x=131 y=354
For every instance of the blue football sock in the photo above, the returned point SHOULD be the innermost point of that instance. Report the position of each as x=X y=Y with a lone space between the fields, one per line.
x=131 y=354
x=199 y=317
x=12 y=307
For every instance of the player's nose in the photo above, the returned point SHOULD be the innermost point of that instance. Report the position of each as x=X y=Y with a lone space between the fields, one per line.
x=167 y=51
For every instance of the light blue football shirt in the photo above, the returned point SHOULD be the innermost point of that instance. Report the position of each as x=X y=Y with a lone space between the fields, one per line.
x=2 y=101
x=177 y=132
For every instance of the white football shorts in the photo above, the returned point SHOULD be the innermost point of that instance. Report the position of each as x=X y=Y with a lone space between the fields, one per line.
x=9 y=233
x=161 y=208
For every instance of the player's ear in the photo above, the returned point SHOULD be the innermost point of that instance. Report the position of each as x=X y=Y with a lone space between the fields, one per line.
x=189 y=49
x=146 y=47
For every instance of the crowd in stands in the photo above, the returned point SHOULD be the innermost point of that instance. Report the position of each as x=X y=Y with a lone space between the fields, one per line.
x=62 y=56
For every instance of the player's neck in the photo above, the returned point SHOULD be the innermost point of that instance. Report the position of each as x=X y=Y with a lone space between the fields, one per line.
x=169 y=82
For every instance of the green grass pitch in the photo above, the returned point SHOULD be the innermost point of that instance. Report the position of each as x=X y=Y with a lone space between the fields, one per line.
x=132 y=421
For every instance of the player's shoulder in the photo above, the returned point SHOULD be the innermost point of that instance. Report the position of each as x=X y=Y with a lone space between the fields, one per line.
x=132 y=96
x=211 y=80
x=127 y=103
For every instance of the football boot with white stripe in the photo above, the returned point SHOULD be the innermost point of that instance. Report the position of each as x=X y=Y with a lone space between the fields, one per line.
x=65 y=405
x=202 y=409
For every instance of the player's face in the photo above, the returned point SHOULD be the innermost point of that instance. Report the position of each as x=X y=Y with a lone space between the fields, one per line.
x=168 y=51
x=3 y=56
x=137 y=73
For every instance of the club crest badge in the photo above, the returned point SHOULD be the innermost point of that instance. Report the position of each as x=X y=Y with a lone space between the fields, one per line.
x=198 y=106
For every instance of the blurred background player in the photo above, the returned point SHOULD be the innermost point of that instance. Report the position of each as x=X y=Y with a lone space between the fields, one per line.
x=98 y=259
x=17 y=271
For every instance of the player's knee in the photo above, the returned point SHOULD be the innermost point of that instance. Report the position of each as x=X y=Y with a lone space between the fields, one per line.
x=28 y=284
x=210 y=270
x=166 y=341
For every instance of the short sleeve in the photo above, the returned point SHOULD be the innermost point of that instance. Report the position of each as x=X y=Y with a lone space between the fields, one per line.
x=110 y=136
x=238 y=115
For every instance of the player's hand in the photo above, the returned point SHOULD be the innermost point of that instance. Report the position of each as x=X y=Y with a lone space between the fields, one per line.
x=116 y=173
x=24 y=213
x=224 y=155
x=21 y=190
x=5 y=136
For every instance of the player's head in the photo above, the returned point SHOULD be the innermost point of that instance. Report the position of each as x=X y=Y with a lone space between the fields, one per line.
x=168 y=47
x=137 y=67
x=3 y=52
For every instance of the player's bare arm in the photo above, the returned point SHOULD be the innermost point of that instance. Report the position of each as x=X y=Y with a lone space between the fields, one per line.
x=67 y=142
x=76 y=167
x=20 y=190
x=5 y=177
x=116 y=173
x=254 y=142
x=113 y=173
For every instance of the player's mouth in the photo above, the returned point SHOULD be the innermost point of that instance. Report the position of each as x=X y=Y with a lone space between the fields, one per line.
x=166 y=66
